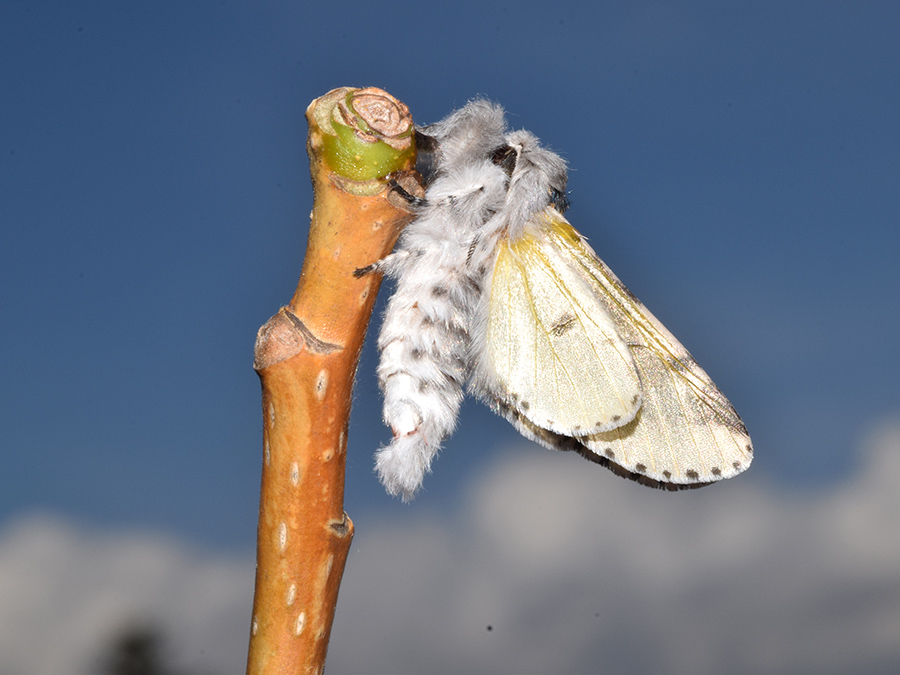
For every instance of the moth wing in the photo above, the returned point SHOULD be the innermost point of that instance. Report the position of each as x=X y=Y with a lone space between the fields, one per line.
x=551 y=353
x=686 y=432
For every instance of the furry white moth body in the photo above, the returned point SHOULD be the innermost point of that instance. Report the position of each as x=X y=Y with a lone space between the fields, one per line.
x=439 y=266
x=494 y=288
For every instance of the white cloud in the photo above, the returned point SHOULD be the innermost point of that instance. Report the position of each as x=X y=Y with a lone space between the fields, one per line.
x=66 y=593
x=573 y=569
x=577 y=571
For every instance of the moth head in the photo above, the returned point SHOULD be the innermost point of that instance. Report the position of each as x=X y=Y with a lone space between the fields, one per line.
x=537 y=176
x=535 y=162
x=465 y=136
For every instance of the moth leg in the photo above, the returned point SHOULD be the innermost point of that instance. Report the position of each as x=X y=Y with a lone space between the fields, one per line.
x=386 y=264
x=472 y=247
x=363 y=271
x=402 y=192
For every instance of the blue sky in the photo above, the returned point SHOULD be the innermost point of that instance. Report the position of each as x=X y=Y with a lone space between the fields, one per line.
x=736 y=164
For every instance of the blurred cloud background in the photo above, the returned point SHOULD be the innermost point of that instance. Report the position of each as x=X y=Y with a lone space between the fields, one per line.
x=737 y=165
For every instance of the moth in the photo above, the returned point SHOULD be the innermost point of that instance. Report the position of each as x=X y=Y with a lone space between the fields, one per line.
x=496 y=292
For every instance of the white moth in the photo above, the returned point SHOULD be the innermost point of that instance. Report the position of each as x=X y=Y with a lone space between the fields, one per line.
x=497 y=291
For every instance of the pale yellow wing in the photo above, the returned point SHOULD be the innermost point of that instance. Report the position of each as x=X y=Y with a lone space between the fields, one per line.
x=555 y=355
x=686 y=432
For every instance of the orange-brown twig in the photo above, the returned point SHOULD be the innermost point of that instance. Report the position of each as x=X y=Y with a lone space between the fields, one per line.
x=306 y=357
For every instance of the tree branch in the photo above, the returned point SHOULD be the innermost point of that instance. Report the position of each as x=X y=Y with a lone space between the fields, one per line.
x=306 y=356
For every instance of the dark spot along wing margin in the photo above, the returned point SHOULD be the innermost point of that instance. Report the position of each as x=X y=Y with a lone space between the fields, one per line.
x=555 y=441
